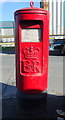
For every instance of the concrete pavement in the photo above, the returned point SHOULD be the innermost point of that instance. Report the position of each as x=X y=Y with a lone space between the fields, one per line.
x=31 y=108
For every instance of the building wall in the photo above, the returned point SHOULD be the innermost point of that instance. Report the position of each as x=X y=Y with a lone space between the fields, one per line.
x=64 y=17
x=7 y=36
x=7 y=32
x=56 y=15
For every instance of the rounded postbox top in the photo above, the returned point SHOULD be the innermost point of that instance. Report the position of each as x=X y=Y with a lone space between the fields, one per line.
x=31 y=10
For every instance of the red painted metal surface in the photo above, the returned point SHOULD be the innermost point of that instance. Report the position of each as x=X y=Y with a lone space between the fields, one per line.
x=31 y=3
x=32 y=57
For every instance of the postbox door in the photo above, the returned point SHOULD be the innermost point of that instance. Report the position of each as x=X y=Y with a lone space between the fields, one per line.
x=31 y=48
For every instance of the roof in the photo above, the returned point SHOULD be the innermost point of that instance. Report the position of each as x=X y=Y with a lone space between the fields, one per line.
x=31 y=10
x=6 y=24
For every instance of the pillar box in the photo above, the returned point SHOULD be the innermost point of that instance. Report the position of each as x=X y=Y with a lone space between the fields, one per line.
x=32 y=49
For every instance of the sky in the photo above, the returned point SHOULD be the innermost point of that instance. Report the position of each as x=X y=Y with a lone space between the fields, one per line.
x=8 y=7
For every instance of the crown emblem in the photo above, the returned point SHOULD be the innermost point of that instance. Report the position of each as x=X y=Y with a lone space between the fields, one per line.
x=31 y=52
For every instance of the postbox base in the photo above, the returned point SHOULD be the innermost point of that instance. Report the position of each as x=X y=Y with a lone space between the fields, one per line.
x=32 y=85
x=32 y=96
x=30 y=103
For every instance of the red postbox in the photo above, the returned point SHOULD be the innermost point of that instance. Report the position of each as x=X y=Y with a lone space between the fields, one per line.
x=32 y=41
